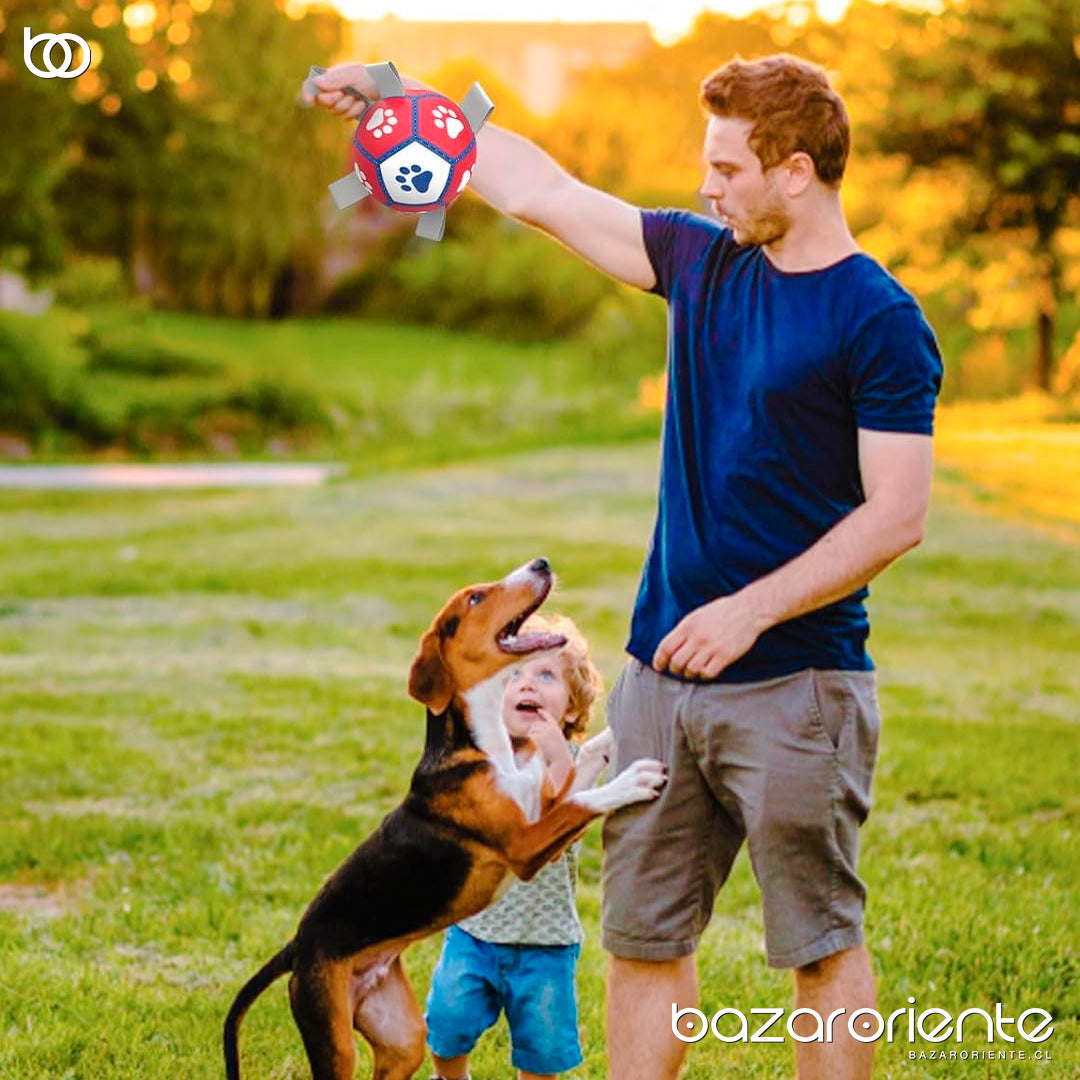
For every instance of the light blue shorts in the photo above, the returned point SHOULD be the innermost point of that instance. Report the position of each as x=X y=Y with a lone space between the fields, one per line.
x=475 y=980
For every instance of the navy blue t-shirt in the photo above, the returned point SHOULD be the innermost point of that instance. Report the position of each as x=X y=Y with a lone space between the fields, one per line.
x=770 y=375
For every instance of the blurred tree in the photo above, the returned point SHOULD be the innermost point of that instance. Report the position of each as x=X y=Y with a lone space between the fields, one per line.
x=456 y=76
x=229 y=212
x=180 y=151
x=35 y=132
x=638 y=132
x=995 y=84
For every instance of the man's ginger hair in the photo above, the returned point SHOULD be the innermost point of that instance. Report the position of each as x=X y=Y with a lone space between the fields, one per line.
x=792 y=107
x=584 y=682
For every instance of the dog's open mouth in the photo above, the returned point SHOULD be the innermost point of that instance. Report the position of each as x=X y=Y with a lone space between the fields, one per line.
x=510 y=641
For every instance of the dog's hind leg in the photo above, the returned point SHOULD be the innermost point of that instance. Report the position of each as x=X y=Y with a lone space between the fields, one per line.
x=389 y=1017
x=321 y=1007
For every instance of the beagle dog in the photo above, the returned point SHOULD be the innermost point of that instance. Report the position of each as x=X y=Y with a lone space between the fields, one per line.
x=479 y=810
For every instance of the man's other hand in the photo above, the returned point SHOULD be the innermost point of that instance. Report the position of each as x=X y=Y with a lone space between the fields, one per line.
x=333 y=96
x=709 y=639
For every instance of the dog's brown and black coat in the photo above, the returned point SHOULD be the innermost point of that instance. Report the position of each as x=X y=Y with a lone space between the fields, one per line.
x=478 y=809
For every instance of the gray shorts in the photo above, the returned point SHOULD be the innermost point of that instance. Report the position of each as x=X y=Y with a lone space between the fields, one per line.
x=785 y=764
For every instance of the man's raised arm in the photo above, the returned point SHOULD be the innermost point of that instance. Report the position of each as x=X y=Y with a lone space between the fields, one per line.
x=519 y=179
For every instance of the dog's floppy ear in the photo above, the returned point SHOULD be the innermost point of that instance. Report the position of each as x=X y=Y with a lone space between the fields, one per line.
x=429 y=681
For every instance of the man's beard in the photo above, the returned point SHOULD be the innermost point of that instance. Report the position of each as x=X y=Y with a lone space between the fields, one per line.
x=764 y=224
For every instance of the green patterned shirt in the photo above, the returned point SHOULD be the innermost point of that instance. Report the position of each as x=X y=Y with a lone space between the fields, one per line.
x=537 y=912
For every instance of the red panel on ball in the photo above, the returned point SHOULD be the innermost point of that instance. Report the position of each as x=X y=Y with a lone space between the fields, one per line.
x=415 y=152
x=441 y=123
x=460 y=177
x=385 y=126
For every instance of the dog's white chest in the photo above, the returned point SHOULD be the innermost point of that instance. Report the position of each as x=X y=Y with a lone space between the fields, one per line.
x=522 y=783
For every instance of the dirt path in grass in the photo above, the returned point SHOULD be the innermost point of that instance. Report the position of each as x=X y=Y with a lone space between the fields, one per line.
x=159 y=477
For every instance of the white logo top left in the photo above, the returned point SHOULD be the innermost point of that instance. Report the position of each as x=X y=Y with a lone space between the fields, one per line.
x=65 y=70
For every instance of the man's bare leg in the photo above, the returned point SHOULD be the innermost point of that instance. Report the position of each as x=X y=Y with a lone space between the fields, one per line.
x=841 y=981
x=640 y=1043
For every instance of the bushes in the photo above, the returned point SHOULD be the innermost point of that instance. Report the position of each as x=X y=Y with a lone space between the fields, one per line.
x=626 y=334
x=248 y=418
x=41 y=394
x=1067 y=376
x=86 y=280
x=488 y=275
x=496 y=277
x=51 y=398
x=148 y=358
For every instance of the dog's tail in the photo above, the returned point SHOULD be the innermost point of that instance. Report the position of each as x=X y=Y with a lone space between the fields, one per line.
x=273 y=969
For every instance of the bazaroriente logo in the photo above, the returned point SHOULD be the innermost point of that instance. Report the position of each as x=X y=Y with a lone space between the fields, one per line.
x=866 y=1025
x=51 y=70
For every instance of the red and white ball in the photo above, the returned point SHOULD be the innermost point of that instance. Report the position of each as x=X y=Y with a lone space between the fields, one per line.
x=415 y=152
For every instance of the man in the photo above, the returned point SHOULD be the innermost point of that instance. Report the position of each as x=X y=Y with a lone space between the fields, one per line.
x=796 y=465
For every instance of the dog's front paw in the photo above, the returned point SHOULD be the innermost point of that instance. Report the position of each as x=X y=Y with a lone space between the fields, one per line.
x=642 y=780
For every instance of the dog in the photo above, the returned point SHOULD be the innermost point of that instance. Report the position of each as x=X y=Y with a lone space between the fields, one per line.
x=480 y=809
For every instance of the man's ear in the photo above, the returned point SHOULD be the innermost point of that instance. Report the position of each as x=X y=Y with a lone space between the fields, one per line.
x=429 y=681
x=800 y=171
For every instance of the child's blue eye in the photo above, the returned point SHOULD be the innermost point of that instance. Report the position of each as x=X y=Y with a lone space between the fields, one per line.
x=547 y=675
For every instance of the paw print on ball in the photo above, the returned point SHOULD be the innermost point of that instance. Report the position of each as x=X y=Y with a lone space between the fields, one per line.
x=420 y=179
x=362 y=177
x=415 y=175
x=446 y=118
x=382 y=122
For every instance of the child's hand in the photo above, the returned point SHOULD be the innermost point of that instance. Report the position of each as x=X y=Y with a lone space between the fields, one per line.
x=547 y=733
x=593 y=759
x=599 y=746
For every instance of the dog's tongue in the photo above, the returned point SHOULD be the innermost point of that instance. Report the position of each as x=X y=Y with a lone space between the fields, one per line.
x=532 y=642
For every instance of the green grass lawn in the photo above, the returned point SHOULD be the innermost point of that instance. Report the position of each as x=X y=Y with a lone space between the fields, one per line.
x=204 y=710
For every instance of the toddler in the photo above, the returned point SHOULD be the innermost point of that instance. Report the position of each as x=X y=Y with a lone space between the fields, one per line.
x=520 y=954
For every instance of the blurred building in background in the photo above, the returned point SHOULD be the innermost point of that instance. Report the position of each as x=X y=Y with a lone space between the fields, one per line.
x=538 y=59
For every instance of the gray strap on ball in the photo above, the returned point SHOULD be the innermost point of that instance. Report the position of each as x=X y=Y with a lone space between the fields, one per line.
x=348 y=191
x=386 y=79
x=431 y=224
x=477 y=107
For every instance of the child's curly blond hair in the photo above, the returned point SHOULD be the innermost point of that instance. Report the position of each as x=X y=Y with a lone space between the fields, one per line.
x=584 y=682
